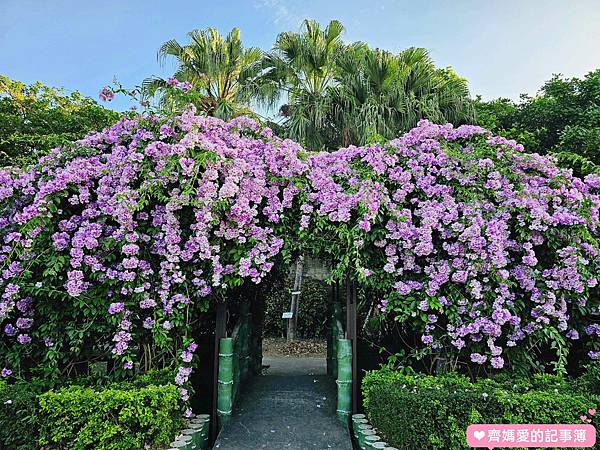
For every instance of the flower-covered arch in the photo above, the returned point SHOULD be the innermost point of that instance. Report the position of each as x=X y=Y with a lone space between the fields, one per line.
x=476 y=245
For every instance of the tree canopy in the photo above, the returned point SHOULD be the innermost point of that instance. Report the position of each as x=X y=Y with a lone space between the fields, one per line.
x=329 y=93
x=36 y=118
x=338 y=94
x=563 y=119
x=219 y=68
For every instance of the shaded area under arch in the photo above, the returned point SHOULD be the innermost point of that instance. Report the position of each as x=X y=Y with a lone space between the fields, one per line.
x=292 y=406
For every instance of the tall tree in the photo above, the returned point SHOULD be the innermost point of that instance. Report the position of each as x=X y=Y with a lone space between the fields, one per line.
x=379 y=94
x=563 y=119
x=337 y=94
x=35 y=118
x=220 y=68
x=300 y=69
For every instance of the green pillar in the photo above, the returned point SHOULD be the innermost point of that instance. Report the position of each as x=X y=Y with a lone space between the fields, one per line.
x=344 y=379
x=225 y=395
x=201 y=424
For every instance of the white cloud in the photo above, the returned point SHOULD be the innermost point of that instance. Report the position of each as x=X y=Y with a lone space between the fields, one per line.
x=282 y=15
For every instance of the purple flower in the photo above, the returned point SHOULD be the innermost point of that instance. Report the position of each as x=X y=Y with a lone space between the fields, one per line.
x=184 y=394
x=115 y=308
x=6 y=373
x=148 y=323
x=128 y=365
x=106 y=94
x=187 y=356
x=426 y=339
x=478 y=358
x=572 y=334
x=24 y=323
x=23 y=339
x=497 y=362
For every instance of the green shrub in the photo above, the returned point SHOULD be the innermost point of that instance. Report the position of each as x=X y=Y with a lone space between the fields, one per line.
x=19 y=415
x=434 y=411
x=85 y=418
x=590 y=380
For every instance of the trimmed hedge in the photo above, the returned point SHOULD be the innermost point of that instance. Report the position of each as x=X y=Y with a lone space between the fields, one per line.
x=81 y=418
x=19 y=415
x=90 y=413
x=433 y=412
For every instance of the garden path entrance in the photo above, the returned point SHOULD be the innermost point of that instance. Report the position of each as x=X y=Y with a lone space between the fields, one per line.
x=291 y=406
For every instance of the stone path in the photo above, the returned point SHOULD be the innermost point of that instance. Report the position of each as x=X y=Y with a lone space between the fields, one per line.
x=292 y=407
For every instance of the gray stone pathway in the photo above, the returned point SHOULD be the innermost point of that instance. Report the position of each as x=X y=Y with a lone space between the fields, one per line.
x=291 y=407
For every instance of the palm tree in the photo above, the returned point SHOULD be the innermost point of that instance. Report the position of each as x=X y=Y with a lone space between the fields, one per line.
x=378 y=94
x=439 y=95
x=220 y=69
x=302 y=67
x=340 y=94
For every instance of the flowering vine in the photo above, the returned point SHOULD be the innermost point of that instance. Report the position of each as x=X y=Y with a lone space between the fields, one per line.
x=475 y=244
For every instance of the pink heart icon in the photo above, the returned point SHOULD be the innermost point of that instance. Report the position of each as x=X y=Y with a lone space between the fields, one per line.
x=584 y=418
x=592 y=411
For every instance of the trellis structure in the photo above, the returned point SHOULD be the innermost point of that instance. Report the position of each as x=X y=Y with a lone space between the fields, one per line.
x=234 y=355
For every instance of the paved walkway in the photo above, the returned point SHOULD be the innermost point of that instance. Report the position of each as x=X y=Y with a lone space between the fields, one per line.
x=292 y=407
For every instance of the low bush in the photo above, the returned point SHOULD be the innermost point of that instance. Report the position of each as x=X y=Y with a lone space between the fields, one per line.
x=81 y=418
x=590 y=380
x=433 y=412
x=90 y=412
x=19 y=415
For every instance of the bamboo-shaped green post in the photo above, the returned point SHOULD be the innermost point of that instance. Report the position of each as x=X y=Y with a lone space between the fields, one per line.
x=370 y=440
x=344 y=379
x=225 y=395
x=201 y=423
x=334 y=349
x=236 y=363
x=356 y=421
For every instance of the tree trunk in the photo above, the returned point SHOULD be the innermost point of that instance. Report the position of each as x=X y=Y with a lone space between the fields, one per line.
x=293 y=322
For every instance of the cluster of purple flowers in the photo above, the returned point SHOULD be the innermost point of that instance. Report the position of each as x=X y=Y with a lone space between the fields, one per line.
x=106 y=94
x=159 y=214
x=498 y=243
x=184 y=86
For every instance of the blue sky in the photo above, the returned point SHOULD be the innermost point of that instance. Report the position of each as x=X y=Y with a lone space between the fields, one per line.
x=503 y=47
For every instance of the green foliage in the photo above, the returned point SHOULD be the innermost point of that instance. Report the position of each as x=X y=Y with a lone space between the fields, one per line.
x=590 y=380
x=339 y=94
x=36 y=118
x=434 y=411
x=378 y=95
x=218 y=68
x=124 y=414
x=80 y=418
x=312 y=308
x=563 y=119
x=19 y=415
